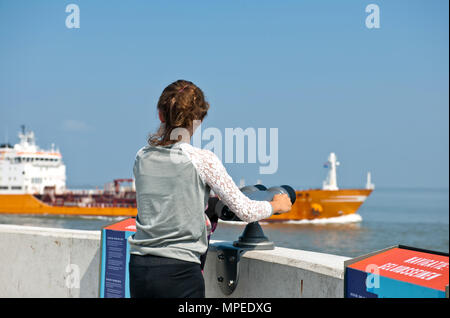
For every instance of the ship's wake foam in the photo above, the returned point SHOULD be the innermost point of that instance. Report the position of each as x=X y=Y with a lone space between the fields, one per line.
x=345 y=219
x=101 y=217
x=350 y=218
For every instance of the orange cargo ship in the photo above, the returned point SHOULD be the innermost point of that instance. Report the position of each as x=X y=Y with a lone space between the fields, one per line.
x=320 y=204
x=310 y=204
x=32 y=181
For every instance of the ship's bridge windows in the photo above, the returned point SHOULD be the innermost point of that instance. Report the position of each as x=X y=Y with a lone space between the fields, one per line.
x=4 y=187
x=16 y=188
x=36 y=180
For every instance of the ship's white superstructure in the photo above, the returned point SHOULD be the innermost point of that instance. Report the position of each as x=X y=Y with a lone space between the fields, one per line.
x=25 y=168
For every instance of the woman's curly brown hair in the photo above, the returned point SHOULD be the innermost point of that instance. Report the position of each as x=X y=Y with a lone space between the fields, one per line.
x=180 y=104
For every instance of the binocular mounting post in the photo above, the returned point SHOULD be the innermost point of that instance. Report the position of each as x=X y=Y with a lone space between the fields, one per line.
x=252 y=238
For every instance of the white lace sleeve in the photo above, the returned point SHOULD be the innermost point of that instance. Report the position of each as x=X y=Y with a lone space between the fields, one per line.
x=213 y=173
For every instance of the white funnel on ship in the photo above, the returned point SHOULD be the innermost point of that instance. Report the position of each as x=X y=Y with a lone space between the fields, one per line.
x=369 y=184
x=331 y=181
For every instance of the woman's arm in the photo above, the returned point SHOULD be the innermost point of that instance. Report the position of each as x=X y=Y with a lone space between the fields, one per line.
x=213 y=173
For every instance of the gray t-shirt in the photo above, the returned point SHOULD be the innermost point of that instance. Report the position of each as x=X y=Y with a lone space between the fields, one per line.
x=173 y=184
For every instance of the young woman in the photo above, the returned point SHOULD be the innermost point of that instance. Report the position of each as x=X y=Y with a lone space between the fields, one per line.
x=173 y=182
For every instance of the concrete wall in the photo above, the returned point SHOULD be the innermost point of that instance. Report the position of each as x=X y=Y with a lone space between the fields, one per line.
x=47 y=262
x=281 y=272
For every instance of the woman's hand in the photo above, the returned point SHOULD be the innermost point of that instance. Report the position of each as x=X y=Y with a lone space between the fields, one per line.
x=281 y=203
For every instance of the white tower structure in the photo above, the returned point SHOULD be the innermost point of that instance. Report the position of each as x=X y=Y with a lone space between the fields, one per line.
x=369 y=184
x=331 y=181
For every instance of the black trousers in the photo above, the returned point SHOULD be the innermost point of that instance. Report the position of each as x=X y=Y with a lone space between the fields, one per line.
x=160 y=277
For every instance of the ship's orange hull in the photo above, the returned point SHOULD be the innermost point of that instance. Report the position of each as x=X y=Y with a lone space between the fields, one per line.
x=319 y=204
x=310 y=204
x=28 y=204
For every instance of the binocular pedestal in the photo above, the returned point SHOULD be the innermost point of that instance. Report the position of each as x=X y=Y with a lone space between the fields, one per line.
x=253 y=238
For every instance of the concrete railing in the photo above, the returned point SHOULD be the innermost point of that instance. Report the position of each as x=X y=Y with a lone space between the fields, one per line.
x=281 y=272
x=48 y=262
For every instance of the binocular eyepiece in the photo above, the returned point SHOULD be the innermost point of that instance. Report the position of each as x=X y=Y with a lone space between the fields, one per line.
x=218 y=210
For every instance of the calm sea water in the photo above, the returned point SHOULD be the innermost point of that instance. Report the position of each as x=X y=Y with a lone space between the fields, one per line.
x=414 y=217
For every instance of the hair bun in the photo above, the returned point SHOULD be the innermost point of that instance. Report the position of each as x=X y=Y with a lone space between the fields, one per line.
x=180 y=104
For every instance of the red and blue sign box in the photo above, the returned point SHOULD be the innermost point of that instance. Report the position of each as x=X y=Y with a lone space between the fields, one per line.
x=114 y=278
x=398 y=272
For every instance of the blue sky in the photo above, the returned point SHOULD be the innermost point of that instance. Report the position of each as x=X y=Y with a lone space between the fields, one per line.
x=377 y=97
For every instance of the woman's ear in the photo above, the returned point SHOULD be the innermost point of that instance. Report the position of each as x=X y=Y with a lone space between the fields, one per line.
x=161 y=117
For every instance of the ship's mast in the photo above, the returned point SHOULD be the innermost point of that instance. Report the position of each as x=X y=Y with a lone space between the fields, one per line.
x=27 y=141
x=331 y=181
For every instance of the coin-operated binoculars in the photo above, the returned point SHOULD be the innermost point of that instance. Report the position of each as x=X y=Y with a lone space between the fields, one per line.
x=253 y=238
